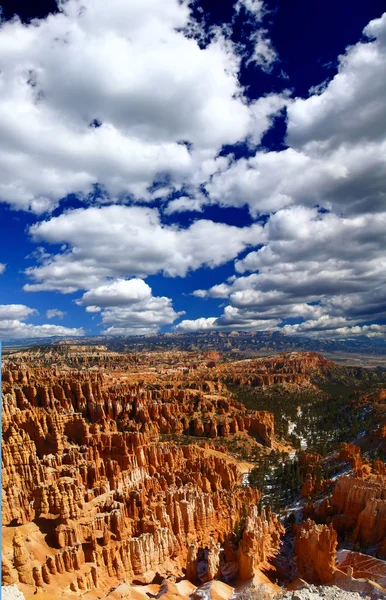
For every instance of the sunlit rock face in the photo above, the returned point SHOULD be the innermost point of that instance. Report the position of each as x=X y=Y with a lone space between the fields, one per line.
x=93 y=496
x=119 y=470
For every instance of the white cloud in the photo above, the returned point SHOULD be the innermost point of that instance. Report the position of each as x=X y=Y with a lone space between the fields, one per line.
x=254 y=7
x=2 y=268
x=302 y=255
x=229 y=321
x=326 y=271
x=18 y=330
x=351 y=108
x=149 y=86
x=264 y=54
x=166 y=106
x=15 y=311
x=145 y=317
x=349 y=180
x=303 y=235
x=201 y=324
x=328 y=328
x=12 y=325
x=128 y=307
x=93 y=309
x=53 y=313
x=263 y=112
x=184 y=203
x=117 y=293
x=217 y=291
x=337 y=144
x=121 y=241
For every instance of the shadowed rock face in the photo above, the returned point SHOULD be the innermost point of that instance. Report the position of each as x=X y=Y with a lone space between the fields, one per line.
x=105 y=500
x=359 y=505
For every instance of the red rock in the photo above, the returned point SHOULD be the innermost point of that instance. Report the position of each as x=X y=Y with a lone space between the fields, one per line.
x=315 y=547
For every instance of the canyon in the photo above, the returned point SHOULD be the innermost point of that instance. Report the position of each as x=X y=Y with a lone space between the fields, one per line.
x=121 y=479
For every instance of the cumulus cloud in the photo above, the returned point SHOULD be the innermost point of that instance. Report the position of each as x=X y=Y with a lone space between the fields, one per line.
x=330 y=329
x=67 y=125
x=302 y=255
x=231 y=320
x=128 y=307
x=141 y=318
x=2 y=268
x=12 y=324
x=263 y=112
x=350 y=109
x=53 y=313
x=117 y=293
x=16 y=311
x=121 y=115
x=349 y=179
x=19 y=330
x=185 y=203
x=121 y=241
x=336 y=144
x=328 y=272
x=300 y=235
x=93 y=309
x=253 y=318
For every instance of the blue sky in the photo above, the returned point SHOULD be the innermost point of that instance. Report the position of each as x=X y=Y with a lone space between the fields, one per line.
x=176 y=166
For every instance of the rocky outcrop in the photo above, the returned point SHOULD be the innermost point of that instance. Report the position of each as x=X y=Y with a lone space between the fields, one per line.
x=353 y=503
x=371 y=524
x=357 y=509
x=22 y=560
x=315 y=547
x=294 y=368
x=7 y=576
x=169 y=410
x=260 y=541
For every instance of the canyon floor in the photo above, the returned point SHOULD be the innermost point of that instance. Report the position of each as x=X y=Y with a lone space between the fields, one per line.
x=182 y=474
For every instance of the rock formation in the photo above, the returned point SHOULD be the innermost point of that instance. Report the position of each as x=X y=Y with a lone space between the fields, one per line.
x=116 y=473
x=87 y=469
x=357 y=504
x=260 y=541
x=315 y=548
x=357 y=508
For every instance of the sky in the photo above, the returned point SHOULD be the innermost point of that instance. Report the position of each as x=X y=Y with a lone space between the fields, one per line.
x=192 y=166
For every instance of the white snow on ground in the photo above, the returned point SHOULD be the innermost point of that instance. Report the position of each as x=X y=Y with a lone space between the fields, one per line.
x=341 y=473
x=291 y=427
